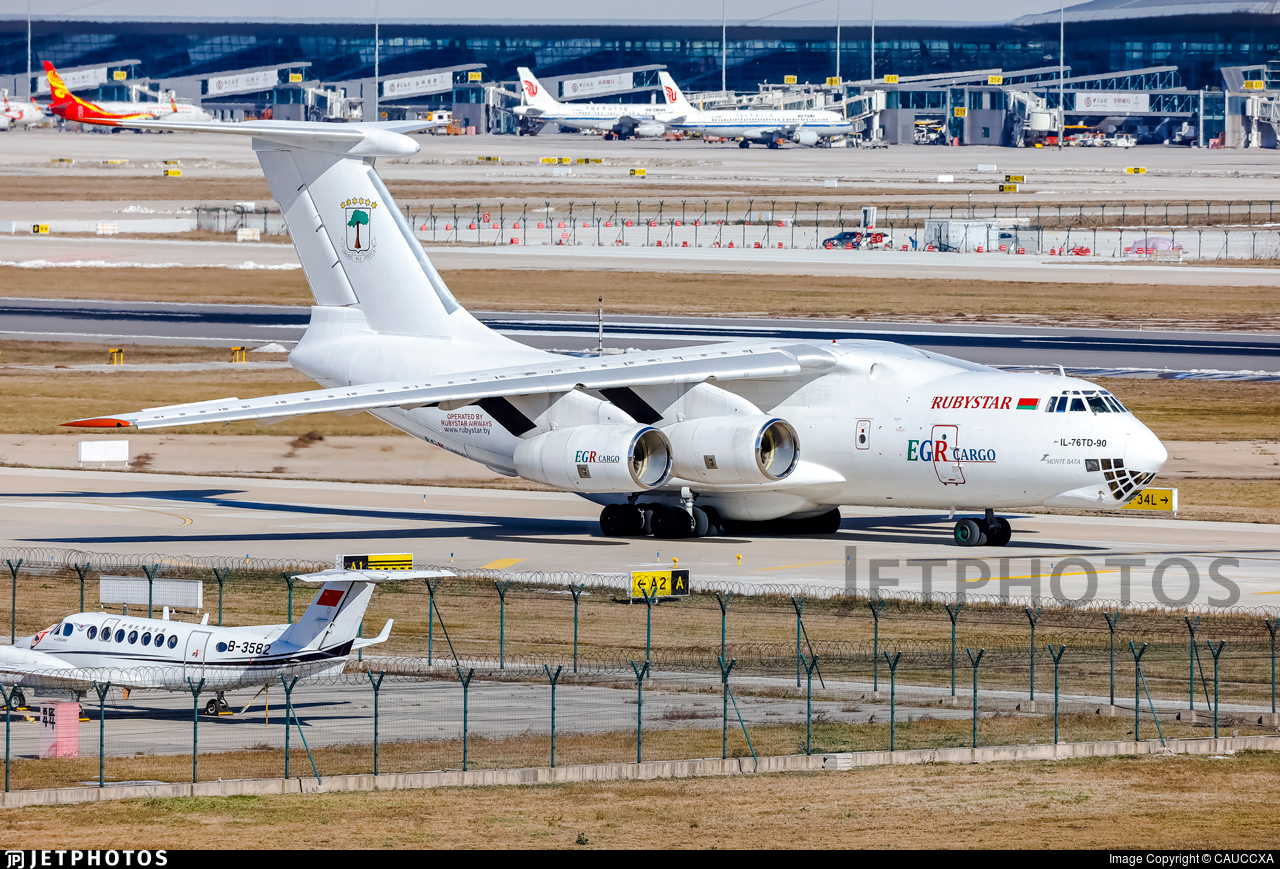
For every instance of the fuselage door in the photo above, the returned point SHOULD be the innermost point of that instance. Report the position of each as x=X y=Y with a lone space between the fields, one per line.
x=193 y=659
x=945 y=438
x=862 y=439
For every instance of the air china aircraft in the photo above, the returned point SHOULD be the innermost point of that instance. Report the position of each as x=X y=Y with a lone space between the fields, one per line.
x=621 y=120
x=768 y=127
x=70 y=107
x=15 y=112
x=132 y=652
x=674 y=442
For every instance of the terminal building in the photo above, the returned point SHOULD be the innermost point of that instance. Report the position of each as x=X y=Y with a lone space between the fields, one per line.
x=266 y=58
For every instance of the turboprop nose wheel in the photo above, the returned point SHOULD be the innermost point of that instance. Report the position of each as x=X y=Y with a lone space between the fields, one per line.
x=217 y=706
x=990 y=530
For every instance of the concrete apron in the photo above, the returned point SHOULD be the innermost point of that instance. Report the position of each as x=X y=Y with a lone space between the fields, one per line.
x=637 y=771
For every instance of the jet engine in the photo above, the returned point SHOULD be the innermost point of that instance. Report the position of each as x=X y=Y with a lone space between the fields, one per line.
x=806 y=137
x=597 y=458
x=727 y=450
x=649 y=129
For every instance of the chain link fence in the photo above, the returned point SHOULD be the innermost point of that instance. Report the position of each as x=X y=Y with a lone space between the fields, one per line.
x=491 y=669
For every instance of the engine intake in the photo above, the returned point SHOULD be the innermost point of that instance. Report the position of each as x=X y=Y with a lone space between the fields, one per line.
x=597 y=458
x=649 y=129
x=725 y=449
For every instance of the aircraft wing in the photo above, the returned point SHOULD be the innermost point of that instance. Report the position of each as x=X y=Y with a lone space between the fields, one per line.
x=684 y=365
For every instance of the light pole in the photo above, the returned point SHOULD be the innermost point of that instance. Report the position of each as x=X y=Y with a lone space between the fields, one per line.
x=837 y=38
x=28 y=50
x=1062 y=48
x=724 y=49
x=873 y=40
x=376 y=22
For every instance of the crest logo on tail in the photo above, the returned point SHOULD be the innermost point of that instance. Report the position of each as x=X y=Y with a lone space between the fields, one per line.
x=530 y=88
x=360 y=243
x=671 y=93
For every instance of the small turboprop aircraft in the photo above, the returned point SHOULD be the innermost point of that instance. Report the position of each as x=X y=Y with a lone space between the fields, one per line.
x=675 y=442
x=140 y=653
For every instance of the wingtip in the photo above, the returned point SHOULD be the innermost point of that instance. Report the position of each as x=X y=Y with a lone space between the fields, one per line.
x=98 y=422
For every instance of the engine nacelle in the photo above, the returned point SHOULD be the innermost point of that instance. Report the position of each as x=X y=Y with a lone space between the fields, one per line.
x=649 y=129
x=806 y=137
x=730 y=449
x=597 y=458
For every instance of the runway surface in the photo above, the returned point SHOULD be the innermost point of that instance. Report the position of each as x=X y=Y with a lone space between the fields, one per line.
x=192 y=515
x=234 y=325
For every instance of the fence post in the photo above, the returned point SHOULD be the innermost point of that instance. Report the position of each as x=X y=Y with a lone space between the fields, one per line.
x=1137 y=679
x=974 y=662
x=81 y=571
x=1215 y=654
x=553 y=678
x=799 y=608
x=876 y=607
x=1192 y=627
x=1057 y=659
x=8 y=707
x=1033 y=619
x=641 y=673
x=577 y=593
x=1272 y=624
x=220 y=576
x=195 y=724
x=808 y=704
x=1113 y=619
x=724 y=697
x=466 y=689
x=101 y=690
x=288 y=715
x=724 y=607
x=377 y=687
x=151 y=577
x=893 y=684
x=13 y=601
x=431 y=615
x=502 y=622
x=648 y=623
x=954 y=614
x=289 y=581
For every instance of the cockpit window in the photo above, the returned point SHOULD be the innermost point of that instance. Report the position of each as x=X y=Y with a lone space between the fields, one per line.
x=1097 y=404
x=1099 y=401
x=1077 y=404
x=67 y=629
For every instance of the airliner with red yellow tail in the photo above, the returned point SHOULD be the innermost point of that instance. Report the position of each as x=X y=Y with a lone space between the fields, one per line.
x=70 y=107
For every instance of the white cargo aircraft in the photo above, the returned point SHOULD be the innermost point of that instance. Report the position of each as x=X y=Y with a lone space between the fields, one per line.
x=770 y=127
x=132 y=652
x=620 y=120
x=672 y=442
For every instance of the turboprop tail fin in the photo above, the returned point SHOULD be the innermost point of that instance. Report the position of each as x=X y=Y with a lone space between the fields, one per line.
x=332 y=621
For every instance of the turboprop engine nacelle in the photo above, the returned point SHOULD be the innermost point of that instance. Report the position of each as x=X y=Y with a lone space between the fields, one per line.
x=597 y=458
x=649 y=129
x=727 y=449
x=806 y=137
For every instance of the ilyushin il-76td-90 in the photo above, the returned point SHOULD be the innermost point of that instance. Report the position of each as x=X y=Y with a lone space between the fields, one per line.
x=674 y=442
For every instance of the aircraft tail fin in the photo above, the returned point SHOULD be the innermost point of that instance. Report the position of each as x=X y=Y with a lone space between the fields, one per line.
x=675 y=98
x=534 y=93
x=70 y=107
x=332 y=621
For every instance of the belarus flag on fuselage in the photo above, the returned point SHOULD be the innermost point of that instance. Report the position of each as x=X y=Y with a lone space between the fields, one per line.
x=1028 y=403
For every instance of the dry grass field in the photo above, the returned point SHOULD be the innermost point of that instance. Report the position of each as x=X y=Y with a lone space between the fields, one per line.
x=1157 y=802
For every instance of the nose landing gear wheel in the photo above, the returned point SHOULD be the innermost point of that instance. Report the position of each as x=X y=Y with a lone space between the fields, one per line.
x=744 y=144
x=17 y=699
x=968 y=533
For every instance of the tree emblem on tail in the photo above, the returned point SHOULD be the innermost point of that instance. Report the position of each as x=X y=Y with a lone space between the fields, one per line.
x=359 y=242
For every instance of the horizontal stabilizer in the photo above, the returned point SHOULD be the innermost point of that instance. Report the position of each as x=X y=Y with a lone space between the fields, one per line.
x=373 y=641
x=382 y=139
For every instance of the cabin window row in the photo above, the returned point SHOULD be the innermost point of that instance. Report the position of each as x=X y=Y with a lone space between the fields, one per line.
x=120 y=636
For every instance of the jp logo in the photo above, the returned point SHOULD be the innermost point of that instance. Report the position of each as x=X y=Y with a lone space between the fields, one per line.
x=359 y=243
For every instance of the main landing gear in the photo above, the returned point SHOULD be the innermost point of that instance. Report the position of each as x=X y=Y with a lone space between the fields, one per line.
x=673 y=522
x=990 y=530
x=217 y=706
